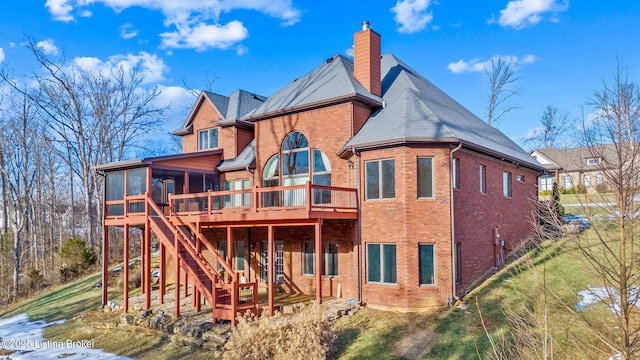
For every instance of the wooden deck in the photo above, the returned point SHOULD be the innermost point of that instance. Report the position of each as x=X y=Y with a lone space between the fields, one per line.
x=259 y=205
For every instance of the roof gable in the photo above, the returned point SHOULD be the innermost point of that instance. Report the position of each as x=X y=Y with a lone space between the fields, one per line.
x=332 y=80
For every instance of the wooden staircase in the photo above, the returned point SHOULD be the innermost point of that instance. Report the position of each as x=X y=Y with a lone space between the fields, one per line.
x=223 y=291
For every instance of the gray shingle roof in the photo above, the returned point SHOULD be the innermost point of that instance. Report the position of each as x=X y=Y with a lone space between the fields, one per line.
x=231 y=108
x=332 y=80
x=575 y=159
x=246 y=158
x=417 y=111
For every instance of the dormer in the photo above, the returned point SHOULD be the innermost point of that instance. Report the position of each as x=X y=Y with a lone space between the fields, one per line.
x=214 y=123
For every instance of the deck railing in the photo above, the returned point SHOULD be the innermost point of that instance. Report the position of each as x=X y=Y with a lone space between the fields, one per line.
x=306 y=196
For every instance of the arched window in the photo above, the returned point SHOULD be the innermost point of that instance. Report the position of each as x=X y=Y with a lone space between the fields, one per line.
x=299 y=164
x=271 y=172
x=295 y=159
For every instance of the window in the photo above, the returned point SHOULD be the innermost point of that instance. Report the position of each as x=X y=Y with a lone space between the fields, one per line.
x=238 y=255
x=241 y=200
x=308 y=258
x=278 y=261
x=587 y=181
x=426 y=264
x=381 y=181
x=593 y=161
x=599 y=179
x=483 y=179
x=520 y=178
x=506 y=184
x=546 y=183
x=329 y=258
x=208 y=139
x=381 y=263
x=456 y=173
x=425 y=177
x=567 y=182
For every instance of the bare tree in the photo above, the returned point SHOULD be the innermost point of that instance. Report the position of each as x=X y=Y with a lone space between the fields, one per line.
x=612 y=140
x=502 y=76
x=553 y=124
x=92 y=118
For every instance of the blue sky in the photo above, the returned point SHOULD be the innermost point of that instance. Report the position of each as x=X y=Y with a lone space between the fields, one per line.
x=564 y=49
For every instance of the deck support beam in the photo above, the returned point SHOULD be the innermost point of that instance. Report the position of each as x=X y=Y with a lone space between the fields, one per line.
x=163 y=268
x=105 y=266
x=318 y=269
x=125 y=269
x=146 y=265
x=270 y=268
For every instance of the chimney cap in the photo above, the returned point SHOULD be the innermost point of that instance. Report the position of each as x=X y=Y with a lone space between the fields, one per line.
x=365 y=25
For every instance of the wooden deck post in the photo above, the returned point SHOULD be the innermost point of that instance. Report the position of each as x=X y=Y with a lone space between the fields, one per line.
x=105 y=265
x=270 y=268
x=125 y=268
x=146 y=265
x=176 y=314
x=163 y=268
x=318 y=270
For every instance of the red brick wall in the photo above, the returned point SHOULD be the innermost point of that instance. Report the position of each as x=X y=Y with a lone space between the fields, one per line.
x=340 y=231
x=206 y=117
x=477 y=214
x=326 y=129
x=408 y=221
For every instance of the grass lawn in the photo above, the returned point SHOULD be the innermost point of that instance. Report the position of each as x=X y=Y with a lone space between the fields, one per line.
x=453 y=333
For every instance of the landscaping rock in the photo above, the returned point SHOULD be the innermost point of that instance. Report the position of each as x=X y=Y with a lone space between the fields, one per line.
x=127 y=319
x=215 y=338
x=221 y=328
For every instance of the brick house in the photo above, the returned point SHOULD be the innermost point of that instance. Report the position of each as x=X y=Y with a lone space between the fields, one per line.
x=360 y=179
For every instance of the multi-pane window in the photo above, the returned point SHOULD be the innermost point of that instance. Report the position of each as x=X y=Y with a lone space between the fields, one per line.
x=381 y=179
x=237 y=200
x=208 y=139
x=546 y=183
x=506 y=184
x=567 y=182
x=593 y=161
x=425 y=177
x=599 y=179
x=455 y=173
x=426 y=264
x=381 y=263
x=329 y=258
x=483 y=179
x=587 y=180
x=278 y=261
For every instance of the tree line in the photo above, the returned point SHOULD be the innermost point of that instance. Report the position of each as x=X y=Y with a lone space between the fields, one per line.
x=57 y=123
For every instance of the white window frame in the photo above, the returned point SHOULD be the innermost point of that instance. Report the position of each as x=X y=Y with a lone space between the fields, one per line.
x=567 y=182
x=380 y=179
x=211 y=133
x=586 y=180
x=483 y=179
x=507 y=189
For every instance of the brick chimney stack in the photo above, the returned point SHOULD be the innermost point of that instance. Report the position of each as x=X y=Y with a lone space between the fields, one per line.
x=366 y=54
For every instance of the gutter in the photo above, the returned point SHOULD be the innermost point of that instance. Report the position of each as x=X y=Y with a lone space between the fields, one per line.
x=453 y=229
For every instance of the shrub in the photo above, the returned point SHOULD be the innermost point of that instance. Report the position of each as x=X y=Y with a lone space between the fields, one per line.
x=77 y=257
x=36 y=280
x=305 y=335
x=545 y=192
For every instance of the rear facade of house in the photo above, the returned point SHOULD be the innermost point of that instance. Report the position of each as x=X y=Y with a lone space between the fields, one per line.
x=360 y=179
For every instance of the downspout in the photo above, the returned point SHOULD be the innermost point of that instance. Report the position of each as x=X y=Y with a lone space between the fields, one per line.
x=358 y=228
x=453 y=229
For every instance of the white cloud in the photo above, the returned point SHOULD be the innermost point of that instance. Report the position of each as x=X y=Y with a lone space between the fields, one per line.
x=476 y=65
x=191 y=19
x=150 y=67
x=241 y=50
x=127 y=31
x=48 y=47
x=412 y=15
x=203 y=36
x=1 y=55
x=60 y=9
x=520 y=14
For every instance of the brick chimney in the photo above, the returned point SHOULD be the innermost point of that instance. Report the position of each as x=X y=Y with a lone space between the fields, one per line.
x=366 y=54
